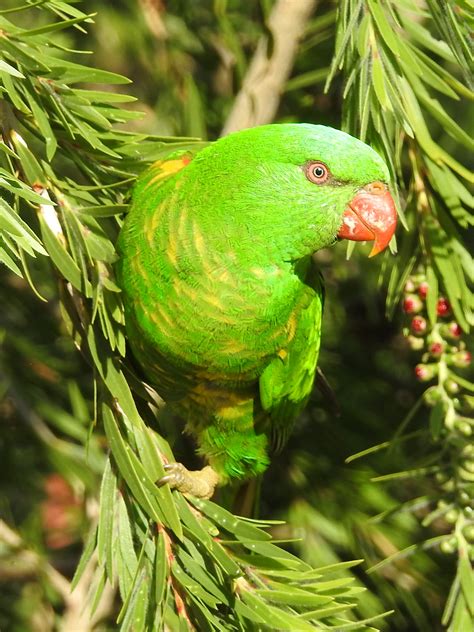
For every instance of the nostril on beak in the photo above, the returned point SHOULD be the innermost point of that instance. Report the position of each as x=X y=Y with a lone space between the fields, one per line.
x=376 y=188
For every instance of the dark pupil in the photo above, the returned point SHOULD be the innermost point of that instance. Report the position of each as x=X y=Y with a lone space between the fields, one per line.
x=318 y=172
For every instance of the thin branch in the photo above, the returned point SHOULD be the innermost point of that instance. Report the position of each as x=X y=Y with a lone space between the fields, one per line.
x=153 y=11
x=34 y=563
x=77 y=615
x=259 y=98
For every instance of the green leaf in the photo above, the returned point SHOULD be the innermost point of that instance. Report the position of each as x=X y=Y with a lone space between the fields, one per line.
x=113 y=378
x=201 y=575
x=105 y=530
x=161 y=568
x=268 y=549
x=21 y=190
x=322 y=613
x=86 y=556
x=62 y=259
x=294 y=597
x=228 y=521
x=379 y=83
x=384 y=27
x=124 y=551
x=5 y=67
x=12 y=92
x=433 y=106
x=466 y=578
x=9 y=262
x=42 y=122
x=330 y=585
x=137 y=604
x=19 y=230
x=252 y=613
x=142 y=488
x=98 y=96
x=417 y=122
x=355 y=625
x=306 y=79
x=55 y=26
x=341 y=45
x=68 y=72
x=103 y=210
x=152 y=464
x=280 y=619
x=31 y=167
x=191 y=586
x=202 y=538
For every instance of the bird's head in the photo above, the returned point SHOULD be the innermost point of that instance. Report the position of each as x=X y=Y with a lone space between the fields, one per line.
x=295 y=188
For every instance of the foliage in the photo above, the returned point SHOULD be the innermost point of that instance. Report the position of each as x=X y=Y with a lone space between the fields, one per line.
x=177 y=563
x=69 y=155
x=393 y=64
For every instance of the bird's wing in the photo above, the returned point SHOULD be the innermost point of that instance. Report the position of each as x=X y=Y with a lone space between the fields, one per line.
x=287 y=381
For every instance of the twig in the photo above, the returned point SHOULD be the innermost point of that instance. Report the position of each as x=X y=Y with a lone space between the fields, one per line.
x=33 y=562
x=152 y=12
x=77 y=615
x=77 y=610
x=259 y=98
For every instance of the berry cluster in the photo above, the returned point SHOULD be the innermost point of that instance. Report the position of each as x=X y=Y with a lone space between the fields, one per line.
x=441 y=341
x=444 y=359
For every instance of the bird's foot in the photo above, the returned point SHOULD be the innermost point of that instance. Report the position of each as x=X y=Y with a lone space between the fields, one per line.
x=199 y=483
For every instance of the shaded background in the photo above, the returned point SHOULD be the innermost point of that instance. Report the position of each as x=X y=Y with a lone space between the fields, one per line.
x=187 y=61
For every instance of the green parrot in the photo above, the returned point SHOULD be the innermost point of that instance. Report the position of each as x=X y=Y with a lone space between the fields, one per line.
x=223 y=301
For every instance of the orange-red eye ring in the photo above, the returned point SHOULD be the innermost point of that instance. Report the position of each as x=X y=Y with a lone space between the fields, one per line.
x=317 y=172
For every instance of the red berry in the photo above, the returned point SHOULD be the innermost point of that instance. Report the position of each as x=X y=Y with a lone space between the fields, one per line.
x=424 y=372
x=436 y=348
x=462 y=359
x=423 y=289
x=408 y=305
x=454 y=329
x=421 y=371
x=443 y=308
x=418 y=325
x=412 y=304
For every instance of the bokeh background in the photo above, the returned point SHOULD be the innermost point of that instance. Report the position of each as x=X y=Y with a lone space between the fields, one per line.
x=188 y=61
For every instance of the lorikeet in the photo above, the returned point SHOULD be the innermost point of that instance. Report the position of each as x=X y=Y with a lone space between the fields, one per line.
x=223 y=301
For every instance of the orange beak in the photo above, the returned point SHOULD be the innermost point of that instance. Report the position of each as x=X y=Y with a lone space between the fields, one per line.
x=370 y=216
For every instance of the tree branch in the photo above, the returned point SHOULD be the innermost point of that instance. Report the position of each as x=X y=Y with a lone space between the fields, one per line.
x=259 y=98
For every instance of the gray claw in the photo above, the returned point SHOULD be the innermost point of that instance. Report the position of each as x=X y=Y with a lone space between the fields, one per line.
x=176 y=475
x=200 y=483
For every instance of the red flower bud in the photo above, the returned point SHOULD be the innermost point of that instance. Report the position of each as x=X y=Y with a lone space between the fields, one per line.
x=425 y=372
x=436 y=348
x=462 y=359
x=418 y=325
x=454 y=330
x=412 y=304
x=423 y=289
x=443 y=308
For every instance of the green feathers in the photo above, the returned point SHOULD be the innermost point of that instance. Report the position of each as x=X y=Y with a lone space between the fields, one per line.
x=223 y=305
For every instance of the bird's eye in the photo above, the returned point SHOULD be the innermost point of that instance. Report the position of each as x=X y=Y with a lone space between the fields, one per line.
x=317 y=172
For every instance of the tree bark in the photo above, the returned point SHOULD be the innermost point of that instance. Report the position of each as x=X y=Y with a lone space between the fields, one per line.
x=259 y=97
